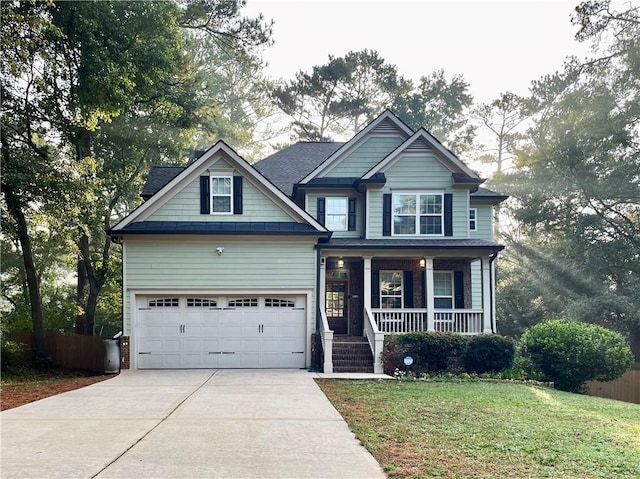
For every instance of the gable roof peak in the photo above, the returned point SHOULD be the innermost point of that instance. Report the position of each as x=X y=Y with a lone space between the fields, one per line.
x=387 y=121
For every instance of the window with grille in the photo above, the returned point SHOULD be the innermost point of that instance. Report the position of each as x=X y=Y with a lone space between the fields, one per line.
x=243 y=303
x=164 y=303
x=278 y=303
x=443 y=289
x=391 y=291
x=418 y=214
x=201 y=303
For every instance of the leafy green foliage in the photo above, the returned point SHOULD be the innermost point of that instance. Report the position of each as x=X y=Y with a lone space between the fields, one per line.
x=489 y=353
x=431 y=352
x=576 y=185
x=442 y=107
x=570 y=353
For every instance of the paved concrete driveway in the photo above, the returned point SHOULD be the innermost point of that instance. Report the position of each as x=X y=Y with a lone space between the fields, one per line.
x=191 y=423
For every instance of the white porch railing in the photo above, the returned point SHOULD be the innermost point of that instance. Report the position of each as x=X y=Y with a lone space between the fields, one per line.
x=326 y=336
x=375 y=337
x=461 y=321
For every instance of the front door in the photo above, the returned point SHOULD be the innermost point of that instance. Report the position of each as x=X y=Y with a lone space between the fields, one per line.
x=336 y=306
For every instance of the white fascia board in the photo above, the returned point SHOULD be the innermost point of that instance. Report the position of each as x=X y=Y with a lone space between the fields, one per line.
x=354 y=142
x=194 y=170
x=445 y=157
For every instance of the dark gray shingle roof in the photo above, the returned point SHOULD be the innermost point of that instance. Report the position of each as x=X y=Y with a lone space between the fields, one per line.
x=490 y=195
x=221 y=227
x=444 y=243
x=158 y=177
x=289 y=166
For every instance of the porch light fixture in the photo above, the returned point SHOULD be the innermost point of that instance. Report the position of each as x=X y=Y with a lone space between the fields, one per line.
x=423 y=262
x=340 y=262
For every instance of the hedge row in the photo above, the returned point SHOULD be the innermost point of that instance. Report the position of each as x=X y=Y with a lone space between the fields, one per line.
x=447 y=352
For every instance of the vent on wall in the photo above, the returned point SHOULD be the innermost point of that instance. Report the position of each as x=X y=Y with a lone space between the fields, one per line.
x=386 y=126
x=419 y=145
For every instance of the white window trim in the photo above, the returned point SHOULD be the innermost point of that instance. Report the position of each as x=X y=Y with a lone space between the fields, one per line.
x=401 y=296
x=450 y=273
x=212 y=195
x=473 y=220
x=417 y=214
x=345 y=214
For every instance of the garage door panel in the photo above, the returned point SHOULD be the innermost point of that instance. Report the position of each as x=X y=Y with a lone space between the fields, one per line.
x=247 y=335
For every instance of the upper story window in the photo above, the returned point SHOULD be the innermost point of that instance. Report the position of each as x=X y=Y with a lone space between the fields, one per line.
x=473 y=219
x=221 y=193
x=417 y=214
x=391 y=289
x=336 y=214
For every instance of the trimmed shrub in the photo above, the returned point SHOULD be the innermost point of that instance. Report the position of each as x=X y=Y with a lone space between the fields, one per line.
x=490 y=352
x=431 y=352
x=570 y=353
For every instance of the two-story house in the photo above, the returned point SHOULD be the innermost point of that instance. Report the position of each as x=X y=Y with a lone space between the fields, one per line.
x=229 y=265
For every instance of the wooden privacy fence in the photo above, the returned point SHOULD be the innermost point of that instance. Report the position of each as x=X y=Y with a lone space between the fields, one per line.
x=627 y=388
x=68 y=350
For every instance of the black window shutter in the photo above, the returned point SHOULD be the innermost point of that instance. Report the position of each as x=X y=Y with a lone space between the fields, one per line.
x=237 y=195
x=423 y=277
x=386 y=214
x=458 y=289
x=205 y=195
x=320 y=212
x=408 y=289
x=375 y=289
x=352 y=215
x=448 y=214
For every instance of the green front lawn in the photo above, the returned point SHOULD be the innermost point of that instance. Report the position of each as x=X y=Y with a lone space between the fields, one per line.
x=489 y=429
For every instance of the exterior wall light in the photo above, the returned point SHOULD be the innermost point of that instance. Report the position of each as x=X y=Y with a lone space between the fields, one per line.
x=340 y=262
x=422 y=262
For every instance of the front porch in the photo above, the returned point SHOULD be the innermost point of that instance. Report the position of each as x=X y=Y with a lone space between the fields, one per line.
x=372 y=295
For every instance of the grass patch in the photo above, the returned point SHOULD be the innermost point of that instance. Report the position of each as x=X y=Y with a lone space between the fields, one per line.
x=487 y=430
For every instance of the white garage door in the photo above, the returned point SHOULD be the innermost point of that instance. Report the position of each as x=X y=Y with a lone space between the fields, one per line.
x=220 y=332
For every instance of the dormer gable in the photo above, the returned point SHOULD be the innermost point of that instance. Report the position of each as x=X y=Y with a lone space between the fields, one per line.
x=423 y=142
x=387 y=124
x=218 y=166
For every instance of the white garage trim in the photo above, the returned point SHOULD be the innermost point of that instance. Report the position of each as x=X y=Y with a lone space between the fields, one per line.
x=278 y=300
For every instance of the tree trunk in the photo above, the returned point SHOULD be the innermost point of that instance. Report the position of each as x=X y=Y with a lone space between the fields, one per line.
x=81 y=294
x=15 y=210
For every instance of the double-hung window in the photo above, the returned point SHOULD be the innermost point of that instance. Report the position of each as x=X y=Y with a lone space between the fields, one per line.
x=221 y=194
x=473 y=219
x=418 y=214
x=336 y=214
x=443 y=289
x=391 y=289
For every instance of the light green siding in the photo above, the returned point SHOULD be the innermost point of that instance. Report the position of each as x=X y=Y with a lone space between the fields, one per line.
x=420 y=172
x=312 y=209
x=484 y=223
x=184 y=264
x=185 y=206
x=476 y=285
x=365 y=157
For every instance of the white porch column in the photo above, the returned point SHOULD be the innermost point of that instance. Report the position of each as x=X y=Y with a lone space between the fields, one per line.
x=486 y=295
x=367 y=281
x=429 y=291
x=323 y=284
x=494 y=326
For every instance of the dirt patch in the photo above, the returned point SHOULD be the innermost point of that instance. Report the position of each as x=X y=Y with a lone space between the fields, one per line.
x=18 y=390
